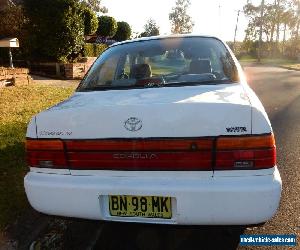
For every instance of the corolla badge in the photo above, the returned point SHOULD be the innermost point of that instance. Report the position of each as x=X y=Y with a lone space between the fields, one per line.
x=133 y=124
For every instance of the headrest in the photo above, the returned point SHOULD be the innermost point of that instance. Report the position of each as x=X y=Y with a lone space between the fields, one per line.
x=200 y=66
x=139 y=71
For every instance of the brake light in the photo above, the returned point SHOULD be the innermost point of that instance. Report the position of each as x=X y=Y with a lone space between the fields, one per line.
x=139 y=145
x=45 y=153
x=246 y=142
x=141 y=154
x=247 y=152
x=42 y=144
x=228 y=153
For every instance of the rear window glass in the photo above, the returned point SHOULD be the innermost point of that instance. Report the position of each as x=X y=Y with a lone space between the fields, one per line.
x=162 y=63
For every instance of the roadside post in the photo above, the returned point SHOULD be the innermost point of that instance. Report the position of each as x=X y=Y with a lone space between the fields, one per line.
x=9 y=43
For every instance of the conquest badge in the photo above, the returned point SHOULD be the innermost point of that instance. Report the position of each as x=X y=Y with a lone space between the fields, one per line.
x=133 y=124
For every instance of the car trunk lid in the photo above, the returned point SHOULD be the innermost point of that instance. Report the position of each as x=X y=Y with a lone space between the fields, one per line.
x=172 y=128
x=160 y=112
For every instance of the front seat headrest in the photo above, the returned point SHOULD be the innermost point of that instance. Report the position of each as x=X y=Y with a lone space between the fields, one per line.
x=200 y=66
x=139 y=71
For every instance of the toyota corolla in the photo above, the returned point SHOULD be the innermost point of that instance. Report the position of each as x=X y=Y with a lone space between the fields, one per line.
x=160 y=130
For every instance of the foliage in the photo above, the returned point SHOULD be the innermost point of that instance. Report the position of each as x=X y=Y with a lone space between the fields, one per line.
x=56 y=28
x=123 y=32
x=95 y=5
x=280 y=19
x=90 y=21
x=93 y=49
x=292 y=49
x=151 y=29
x=17 y=106
x=12 y=21
x=107 y=26
x=181 y=22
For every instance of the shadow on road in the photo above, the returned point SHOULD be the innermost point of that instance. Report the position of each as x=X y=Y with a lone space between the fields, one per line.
x=156 y=237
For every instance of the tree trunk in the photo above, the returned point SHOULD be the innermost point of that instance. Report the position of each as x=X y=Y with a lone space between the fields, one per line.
x=278 y=22
x=297 y=30
x=298 y=22
x=273 y=26
x=272 y=32
x=283 y=41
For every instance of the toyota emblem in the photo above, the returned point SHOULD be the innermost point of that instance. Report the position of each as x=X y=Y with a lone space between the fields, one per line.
x=133 y=124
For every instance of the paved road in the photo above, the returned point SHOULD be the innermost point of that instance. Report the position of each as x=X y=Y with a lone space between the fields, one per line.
x=279 y=90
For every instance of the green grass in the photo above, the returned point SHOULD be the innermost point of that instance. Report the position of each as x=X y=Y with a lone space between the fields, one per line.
x=247 y=58
x=167 y=67
x=293 y=66
x=279 y=62
x=17 y=106
x=271 y=61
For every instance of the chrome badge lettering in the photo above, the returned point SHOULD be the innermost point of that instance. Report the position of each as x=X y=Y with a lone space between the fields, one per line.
x=55 y=133
x=236 y=129
x=136 y=156
x=133 y=124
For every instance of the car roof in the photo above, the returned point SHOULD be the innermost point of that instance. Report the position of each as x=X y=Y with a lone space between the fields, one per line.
x=163 y=37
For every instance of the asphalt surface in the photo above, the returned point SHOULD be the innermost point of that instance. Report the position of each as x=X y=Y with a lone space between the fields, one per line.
x=279 y=91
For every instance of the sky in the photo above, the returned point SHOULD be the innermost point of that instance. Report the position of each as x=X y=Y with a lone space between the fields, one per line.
x=209 y=18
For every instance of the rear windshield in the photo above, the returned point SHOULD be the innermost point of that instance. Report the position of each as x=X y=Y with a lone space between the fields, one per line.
x=162 y=63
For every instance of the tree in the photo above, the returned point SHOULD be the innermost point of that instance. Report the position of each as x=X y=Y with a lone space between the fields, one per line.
x=96 y=6
x=288 y=20
x=296 y=23
x=181 y=22
x=12 y=21
x=90 y=21
x=278 y=18
x=151 y=29
x=55 y=27
x=107 y=26
x=123 y=31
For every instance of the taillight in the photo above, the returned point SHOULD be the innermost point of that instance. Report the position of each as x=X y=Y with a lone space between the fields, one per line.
x=141 y=154
x=247 y=152
x=228 y=153
x=45 y=153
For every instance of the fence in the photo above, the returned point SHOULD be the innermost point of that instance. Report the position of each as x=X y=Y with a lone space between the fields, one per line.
x=59 y=70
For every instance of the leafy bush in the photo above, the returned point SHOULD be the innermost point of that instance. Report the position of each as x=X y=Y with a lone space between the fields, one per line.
x=90 y=21
x=107 y=26
x=123 y=32
x=93 y=49
x=55 y=29
x=12 y=21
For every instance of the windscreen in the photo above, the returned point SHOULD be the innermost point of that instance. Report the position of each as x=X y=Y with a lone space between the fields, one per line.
x=162 y=63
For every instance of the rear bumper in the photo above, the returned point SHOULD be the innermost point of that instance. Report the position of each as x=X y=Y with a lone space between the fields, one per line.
x=205 y=201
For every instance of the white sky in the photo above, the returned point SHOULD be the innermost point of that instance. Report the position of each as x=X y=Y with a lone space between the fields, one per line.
x=208 y=17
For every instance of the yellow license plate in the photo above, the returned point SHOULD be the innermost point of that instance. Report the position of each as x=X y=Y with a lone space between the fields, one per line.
x=140 y=206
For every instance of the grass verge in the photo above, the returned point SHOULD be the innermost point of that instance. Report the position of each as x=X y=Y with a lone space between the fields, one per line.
x=291 y=66
x=270 y=61
x=17 y=106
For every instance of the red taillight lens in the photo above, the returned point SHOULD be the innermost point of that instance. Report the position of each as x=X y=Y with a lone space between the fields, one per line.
x=164 y=161
x=248 y=152
x=46 y=153
x=139 y=145
x=141 y=154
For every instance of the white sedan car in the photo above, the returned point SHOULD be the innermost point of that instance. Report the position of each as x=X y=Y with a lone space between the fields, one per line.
x=161 y=130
